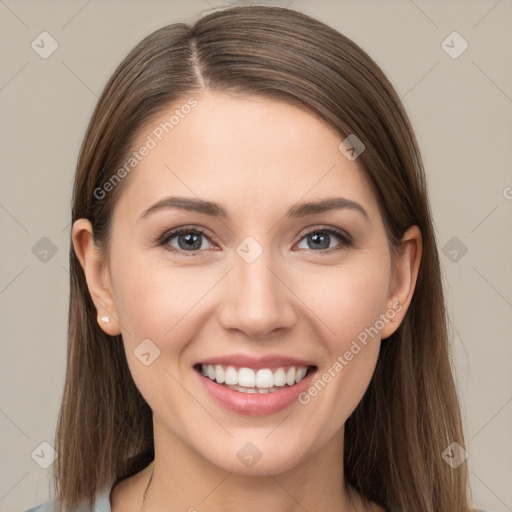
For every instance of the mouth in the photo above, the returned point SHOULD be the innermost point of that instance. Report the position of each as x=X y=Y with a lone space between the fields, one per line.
x=262 y=380
x=254 y=391
x=254 y=386
x=255 y=380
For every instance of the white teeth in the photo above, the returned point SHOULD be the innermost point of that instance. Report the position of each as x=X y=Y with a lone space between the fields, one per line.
x=264 y=379
x=279 y=377
x=231 y=376
x=219 y=374
x=246 y=378
x=301 y=373
x=254 y=390
x=260 y=381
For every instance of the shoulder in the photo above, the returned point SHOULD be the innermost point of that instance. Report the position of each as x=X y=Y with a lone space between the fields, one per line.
x=101 y=503
x=48 y=506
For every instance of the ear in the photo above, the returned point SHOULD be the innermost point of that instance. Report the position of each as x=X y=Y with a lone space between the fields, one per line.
x=403 y=280
x=96 y=274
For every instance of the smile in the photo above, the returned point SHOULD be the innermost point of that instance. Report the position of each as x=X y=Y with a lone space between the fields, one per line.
x=254 y=386
x=248 y=380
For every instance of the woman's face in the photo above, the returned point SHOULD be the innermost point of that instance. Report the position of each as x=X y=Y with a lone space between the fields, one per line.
x=267 y=284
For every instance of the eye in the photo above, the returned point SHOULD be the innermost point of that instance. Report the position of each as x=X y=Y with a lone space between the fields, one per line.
x=319 y=239
x=188 y=240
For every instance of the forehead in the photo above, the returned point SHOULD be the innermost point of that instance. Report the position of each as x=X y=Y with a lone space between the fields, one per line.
x=242 y=150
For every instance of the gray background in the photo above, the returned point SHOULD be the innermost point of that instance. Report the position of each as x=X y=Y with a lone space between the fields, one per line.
x=460 y=109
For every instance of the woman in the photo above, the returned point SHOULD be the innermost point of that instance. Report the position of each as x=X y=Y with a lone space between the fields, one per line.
x=256 y=314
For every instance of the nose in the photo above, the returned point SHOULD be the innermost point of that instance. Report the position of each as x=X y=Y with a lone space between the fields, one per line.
x=256 y=298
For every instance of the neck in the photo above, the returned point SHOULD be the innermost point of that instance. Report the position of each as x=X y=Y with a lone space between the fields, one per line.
x=181 y=479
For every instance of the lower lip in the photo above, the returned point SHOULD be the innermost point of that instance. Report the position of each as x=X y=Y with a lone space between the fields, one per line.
x=255 y=404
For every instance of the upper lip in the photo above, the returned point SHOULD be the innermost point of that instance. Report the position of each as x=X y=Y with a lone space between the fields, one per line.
x=246 y=361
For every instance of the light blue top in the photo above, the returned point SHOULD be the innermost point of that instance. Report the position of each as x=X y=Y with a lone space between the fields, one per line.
x=102 y=504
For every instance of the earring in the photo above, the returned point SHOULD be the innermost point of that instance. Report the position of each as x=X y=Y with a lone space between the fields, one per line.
x=105 y=319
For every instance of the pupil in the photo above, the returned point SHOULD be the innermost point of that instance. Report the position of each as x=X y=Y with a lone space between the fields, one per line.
x=318 y=239
x=191 y=241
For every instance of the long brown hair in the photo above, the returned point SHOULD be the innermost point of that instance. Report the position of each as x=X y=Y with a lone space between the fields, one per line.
x=410 y=412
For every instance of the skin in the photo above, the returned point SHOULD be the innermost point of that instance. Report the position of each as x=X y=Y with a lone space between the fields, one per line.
x=256 y=157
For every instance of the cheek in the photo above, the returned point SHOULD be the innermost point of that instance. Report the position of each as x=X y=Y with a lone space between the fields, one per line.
x=151 y=299
x=348 y=302
x=153 y=306
x=342 y=300
x=349 y=299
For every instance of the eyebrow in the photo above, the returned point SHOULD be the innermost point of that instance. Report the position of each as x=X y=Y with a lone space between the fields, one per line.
x=215 y=210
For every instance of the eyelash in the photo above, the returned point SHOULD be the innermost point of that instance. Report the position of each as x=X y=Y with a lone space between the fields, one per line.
x=164 y=239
